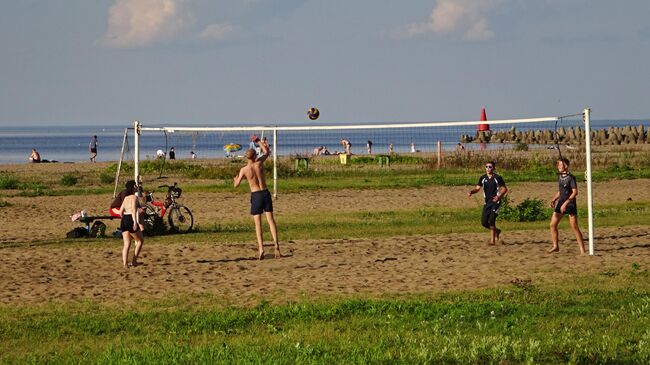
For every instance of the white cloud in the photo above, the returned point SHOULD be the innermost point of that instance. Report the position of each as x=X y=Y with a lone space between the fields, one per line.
x=467 y=18
x=216 y=31
x=138 y=23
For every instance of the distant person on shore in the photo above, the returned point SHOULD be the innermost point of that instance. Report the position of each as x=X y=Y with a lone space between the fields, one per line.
x=130 y=225
x=413 y=150
x=35 y=157
x=390 y=148
x=494 y=188
x=172 y=153
x=160 y=154
x=252 y=145
x=192 y=155
x=92 y=147
x=564 y=202
x=318 y=151
x=261 y=201
x=369 y=147
x=460 y=148
x=347 y=146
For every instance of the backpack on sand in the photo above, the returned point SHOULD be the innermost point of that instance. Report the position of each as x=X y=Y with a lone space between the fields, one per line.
x=98 y=229
x=78 y=232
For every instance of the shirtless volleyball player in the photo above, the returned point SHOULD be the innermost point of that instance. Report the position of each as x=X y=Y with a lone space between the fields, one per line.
x=261 y=201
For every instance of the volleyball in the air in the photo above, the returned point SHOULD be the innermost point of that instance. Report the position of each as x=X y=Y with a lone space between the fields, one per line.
x=313 y=113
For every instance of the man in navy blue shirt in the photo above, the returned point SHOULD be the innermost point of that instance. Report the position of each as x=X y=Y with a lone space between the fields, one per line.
x=494 y=188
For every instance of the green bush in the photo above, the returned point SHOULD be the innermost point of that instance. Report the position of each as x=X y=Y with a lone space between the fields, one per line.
x=69 y=180
x=126 y=168
x=529 y=210
x=106 y=178
x=9 y=182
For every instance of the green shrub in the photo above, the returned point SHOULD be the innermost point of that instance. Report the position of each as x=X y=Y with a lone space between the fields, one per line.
x=69 y=180
x=529 y=210
x=9 y=182
x=106 y=178
x=126 y=168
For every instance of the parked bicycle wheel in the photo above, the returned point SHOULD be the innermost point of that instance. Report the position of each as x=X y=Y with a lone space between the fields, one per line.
x=149 y=218
x=152 y=222
x=180 y=219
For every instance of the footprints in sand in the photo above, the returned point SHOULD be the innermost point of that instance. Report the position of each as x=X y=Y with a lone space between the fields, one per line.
x=232 y=273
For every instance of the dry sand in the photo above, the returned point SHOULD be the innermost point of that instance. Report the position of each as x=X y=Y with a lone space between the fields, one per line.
x=310 y=269
x=33 y=272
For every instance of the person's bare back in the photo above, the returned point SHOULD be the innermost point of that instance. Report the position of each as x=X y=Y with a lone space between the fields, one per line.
x=254 y=174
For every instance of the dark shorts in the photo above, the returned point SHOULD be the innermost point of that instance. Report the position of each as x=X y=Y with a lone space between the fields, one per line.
x=93 y=150
x=490 y=213
x=571 y=208
x=261 y=202
x=126 y=224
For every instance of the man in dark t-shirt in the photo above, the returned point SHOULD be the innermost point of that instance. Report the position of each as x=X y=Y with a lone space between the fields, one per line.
x=564 y=202
x=494 y=188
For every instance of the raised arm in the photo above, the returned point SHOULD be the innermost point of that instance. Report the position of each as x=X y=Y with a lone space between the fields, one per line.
x=264 y=146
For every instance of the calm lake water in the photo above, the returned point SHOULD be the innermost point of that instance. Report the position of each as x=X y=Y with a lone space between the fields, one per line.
x=70 y=143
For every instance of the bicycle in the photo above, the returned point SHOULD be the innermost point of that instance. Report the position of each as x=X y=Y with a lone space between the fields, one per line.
x=180 y=217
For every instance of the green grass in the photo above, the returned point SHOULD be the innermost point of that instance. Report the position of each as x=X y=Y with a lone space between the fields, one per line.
x=506 y=325
x=379 y=224
x=433 y=220
x=350 y=177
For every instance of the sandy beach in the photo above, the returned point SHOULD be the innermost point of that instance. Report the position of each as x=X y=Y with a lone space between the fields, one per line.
x=34 y=271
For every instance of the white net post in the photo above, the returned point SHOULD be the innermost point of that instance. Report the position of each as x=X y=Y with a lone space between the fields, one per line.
x=587 y=120
x=275 y=162
x=119 y=165
x=136 y=153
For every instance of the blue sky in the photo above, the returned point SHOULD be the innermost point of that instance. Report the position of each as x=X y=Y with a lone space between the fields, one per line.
x=267 y=61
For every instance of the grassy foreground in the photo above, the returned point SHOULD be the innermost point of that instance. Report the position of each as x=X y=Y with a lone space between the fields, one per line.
x=606 y=321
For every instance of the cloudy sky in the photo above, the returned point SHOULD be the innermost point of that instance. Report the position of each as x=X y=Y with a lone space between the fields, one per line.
x=228 y=62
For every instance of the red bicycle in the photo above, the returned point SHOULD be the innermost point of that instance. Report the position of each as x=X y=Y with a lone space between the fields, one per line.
x=180 y=217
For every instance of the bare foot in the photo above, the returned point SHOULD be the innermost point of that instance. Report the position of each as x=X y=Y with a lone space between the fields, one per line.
x=491 y=243
x=277 y=252
x=554 y=249
x=261 y=255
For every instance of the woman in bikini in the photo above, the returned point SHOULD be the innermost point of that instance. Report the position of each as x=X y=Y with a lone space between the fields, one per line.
x=129 y=225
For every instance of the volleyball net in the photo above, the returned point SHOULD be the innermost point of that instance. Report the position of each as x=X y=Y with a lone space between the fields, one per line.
x=335 y=150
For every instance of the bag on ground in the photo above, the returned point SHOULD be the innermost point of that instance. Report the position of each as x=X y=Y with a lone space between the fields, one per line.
x=78 y=232
x=98 y=229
